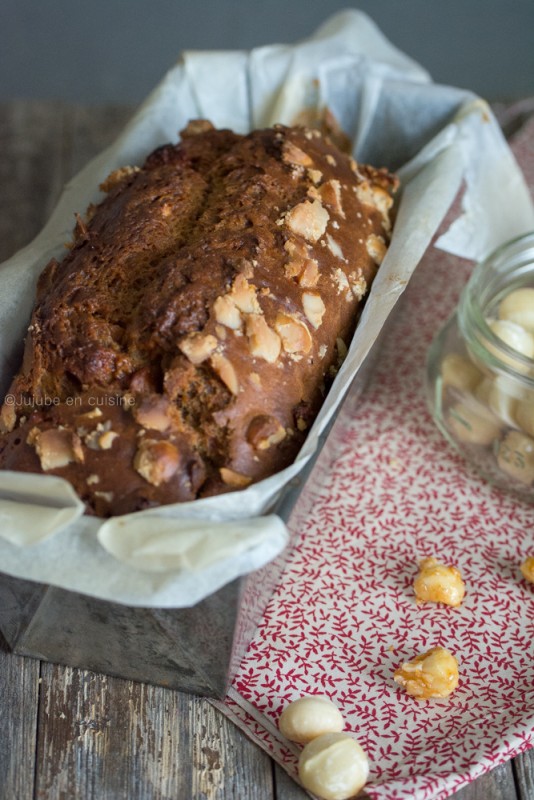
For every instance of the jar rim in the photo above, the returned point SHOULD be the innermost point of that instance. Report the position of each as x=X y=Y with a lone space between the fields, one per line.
x=490 y=276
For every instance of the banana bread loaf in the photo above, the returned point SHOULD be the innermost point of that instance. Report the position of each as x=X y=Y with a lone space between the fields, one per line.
x=185 y=343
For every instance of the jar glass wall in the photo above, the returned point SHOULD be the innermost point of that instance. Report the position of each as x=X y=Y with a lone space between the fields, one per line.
x=480 y=371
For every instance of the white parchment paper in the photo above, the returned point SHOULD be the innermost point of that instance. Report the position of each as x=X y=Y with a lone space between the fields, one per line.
x=437 y=138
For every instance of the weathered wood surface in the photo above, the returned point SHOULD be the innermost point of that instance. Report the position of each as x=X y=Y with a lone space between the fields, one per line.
x=67 y=733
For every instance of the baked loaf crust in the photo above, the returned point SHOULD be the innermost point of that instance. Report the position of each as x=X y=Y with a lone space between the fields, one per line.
x=185 y=343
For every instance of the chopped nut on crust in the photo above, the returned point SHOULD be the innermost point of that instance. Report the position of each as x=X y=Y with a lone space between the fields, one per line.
x=226 y=372
x=293 y=268
x=358 y=284
x=100 y=439
x=106 y=440
x=152 y=413
x=92 y=479
x=291 y=154
x=77 y=449
x=295 y=336
x=334 y=247
x=95 y=413
x=244 y=296
x=198 y=346
x=315 y=175
x=117 y=176
x=376 y=247
x=264 y=431
x=377 y=197
x=107 y=496
x=263 y=341
x=330 y=193
x=246 y=268
x=156 y=461
x=32 y=436
x=314 y=308
x=298 y=250
x=235 y=479
x=56 y=447
x=227 y=313
x=196 y=126
x=341 y=280
x=8 y=419
x=313 y=194
x=308 y=220
x=310 y=274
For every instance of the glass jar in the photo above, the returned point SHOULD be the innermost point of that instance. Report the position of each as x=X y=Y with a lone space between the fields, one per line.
x=480 y=370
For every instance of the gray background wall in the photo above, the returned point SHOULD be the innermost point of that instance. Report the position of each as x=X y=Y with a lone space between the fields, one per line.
x=115 y=51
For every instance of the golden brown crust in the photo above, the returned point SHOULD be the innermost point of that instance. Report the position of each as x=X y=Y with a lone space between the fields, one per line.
x=198 y=312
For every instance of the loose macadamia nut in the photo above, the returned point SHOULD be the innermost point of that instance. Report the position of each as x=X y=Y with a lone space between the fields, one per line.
x=333 y=766
x=438 y=583
x=309 y=717
x=527 y=569
x=430 y=674
x=518 y=307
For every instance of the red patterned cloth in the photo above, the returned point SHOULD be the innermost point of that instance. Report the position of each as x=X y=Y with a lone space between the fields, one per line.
x=343 y=615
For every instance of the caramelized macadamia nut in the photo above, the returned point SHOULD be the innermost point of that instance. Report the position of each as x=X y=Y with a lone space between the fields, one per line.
x=527 y=569
x=333 y=766
x=309 y=717
x=437 y=583
x=430 y=674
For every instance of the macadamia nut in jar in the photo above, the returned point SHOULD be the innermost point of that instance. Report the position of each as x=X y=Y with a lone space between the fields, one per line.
x=480 y=373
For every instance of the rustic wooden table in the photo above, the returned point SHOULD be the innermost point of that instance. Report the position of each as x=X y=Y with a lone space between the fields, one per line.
x=68 y=733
